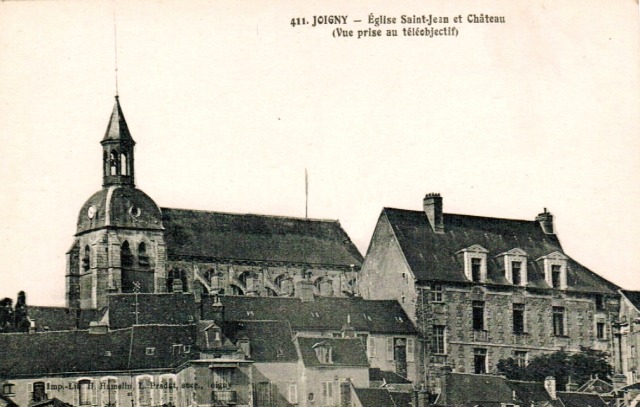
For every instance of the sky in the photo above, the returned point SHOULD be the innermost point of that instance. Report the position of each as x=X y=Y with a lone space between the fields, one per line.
x=229 y=104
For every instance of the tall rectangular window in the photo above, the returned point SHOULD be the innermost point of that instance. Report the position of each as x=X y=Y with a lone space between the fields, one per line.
x=478 y=315
x=476 y=269
x=436 y=292
x=599 y=302
x=556 y=272
x=516 y=272
x=327 y=393
x=600 y=330
x=558 y=321
x=438 y=339
x=479 y=360
x=518 y=319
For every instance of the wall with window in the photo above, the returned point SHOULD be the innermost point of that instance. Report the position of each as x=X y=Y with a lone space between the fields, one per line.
x=327 y=386
x=394 y=353
x=279 y=384
x=462 y=330
x=117 y=261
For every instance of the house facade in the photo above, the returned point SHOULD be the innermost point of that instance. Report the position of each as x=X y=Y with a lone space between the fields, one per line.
x=481 y=289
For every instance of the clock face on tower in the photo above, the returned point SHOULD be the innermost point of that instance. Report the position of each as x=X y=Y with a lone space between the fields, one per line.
x=91 y=212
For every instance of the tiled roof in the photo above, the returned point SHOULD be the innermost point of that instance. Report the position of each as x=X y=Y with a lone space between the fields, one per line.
x=463 y=389
x=61 y=318
x=151 y=308
x=633 y=297
x=345 y=352
x=246 y=237
x=432 y=257
x=402 y=399
x=269 y=341
x=7 y=402
x=375 y=397
x=80 y=351
x=574 y=399
x=596 y=385
x=324 y=313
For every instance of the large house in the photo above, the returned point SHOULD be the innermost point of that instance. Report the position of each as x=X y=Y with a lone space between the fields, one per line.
x=125 y=243
x=481 y=289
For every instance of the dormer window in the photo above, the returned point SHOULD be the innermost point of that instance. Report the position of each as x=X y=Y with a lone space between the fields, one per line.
x=515 y=266
x=475 y=263
x=555 y=270
x=323 y=353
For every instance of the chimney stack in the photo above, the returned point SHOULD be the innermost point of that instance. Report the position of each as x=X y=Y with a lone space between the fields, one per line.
x=550 y=387
x=432 y=205
x=546 y=222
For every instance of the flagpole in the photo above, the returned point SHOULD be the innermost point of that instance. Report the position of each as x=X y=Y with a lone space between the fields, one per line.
x=306 y=194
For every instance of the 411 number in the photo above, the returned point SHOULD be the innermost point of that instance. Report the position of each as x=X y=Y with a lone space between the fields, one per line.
x=298 y=21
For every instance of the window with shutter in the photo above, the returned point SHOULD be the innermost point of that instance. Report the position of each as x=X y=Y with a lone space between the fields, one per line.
x=390 y=349
x=410 y=350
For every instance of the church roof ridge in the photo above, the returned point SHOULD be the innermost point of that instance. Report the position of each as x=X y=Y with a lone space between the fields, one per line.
x=253 y=214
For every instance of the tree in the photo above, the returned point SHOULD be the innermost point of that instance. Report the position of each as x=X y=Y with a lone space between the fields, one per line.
x=580 y=367
x=22 y=323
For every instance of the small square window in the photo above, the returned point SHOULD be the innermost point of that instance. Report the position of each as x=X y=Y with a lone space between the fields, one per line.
x=436 y=293
x=150 y=351
x=186 y=348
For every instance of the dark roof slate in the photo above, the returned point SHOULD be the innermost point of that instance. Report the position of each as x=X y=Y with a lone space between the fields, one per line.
x=324 y=313
x=633 y=297
x=432 y=257
x=260 y=238
x=462 y=389
x=61 y=318
x=117 y=128
x=151 y=308
x=269 y=341
x=345 y=352
x=374 y=397
x=7 y=402
x=81 y=351
x=574 y=399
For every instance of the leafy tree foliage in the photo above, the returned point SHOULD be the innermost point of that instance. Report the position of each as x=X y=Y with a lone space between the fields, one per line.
x=580 y=367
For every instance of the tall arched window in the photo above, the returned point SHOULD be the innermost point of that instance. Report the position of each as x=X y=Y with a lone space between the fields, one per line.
x=114 y=163
x=144 y=388
x=124 y=164
x=168 y=390
x=86 y=258
x=109 y=391
x=84 y=392
x=126 y=258
x=143 y=258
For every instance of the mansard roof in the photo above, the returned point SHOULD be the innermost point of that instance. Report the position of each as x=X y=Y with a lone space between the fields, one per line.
x=321 y=314
x=61 y=352
x=218 y=236
x=344 y=352
x=575 y=399
x=433 y=256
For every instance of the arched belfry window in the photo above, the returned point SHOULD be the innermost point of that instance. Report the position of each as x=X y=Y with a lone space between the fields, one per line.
x=86 y=258
x=143 y=257
x=114 y=163
x=124 y=164
x=126 y=258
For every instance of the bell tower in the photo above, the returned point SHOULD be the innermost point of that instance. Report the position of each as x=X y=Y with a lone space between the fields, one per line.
x=119 y=243
x=117 y=151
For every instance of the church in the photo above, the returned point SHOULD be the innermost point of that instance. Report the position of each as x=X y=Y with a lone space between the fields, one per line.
x=126 y=243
